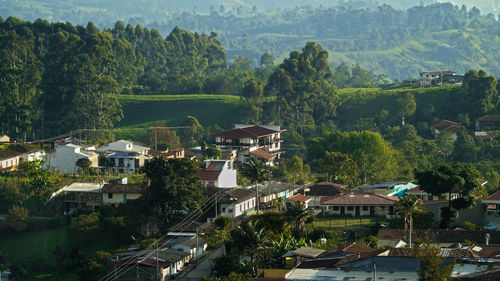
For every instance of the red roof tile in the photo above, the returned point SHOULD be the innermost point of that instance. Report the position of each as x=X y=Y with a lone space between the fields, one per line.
x=206 y=175
x=359 y=199
x=248 y=132
x=299 y=198
x=444 y=124
x=262 y=154
x=494 y=196
x=489 y=118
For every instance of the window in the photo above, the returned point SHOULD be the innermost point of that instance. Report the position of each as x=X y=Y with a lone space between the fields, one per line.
x=335 y=208
x=350 y=208
x=365 y=208
x=110 y=195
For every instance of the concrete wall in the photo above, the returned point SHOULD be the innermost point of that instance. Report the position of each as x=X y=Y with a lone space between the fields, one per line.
x=64 y=159
x=475 y=215
x=119 y=198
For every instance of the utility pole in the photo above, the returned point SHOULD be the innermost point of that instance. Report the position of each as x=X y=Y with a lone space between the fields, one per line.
x=257 y=197
x=157 y=266
x=156 y=141
x=197 y=245
x=374 y=272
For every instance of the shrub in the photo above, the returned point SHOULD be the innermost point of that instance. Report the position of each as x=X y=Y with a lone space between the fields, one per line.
x=469 y=226
x=17 y=218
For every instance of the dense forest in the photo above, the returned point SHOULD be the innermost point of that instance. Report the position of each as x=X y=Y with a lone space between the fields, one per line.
x=392 y=40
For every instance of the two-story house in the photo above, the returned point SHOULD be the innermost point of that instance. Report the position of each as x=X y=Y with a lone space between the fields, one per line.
x=123 y=146
x=234 y=202
x=259 y=141
x=28 y=152
x=64 y=157
x=218 y=173
x=128 y=163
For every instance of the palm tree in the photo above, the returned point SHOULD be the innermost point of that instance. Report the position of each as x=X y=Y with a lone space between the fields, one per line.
x=257 y=171
x=249 y=239
x=297 y=214
x=408 y=205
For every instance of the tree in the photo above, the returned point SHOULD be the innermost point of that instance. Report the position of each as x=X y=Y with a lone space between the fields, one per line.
x=174 y=189
x=431 y=264
x=448 y=178
x=408 y=205
x=407 y=104
x=192 y=134
x=257 y=171
x=212 y=152
x=297 y=214
x=248 y=239
x=295 y=170
x=17 y=218
x=267 y=61
x=340 y=168
x=480 y=94
x=83 y=164
x=163 y=138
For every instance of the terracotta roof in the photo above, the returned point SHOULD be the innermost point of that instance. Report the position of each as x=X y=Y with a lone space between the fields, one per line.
x=7 y=154
x=299 y=198
x=208 y=175
x=334 y=262
x=441 y=235
x=248 y=132
x=489 y=118
x=24 y=148
x=262 y=154
x=445 y=125
x=494 y=196
x=359 y=199
x=121 y=188
x=326 y=189
x=352 y=248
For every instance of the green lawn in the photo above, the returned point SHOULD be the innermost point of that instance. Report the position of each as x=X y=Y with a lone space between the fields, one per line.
x=41 y=244
x=143 y=110
x=346 y=222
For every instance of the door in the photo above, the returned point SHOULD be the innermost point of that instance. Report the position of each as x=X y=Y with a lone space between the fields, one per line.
x=342 y=210
x=357 y=210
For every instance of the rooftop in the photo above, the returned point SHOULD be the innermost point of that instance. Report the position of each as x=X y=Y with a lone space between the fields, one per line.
x=301 y=198
x=359 y=199
x=7 y=154
x=489 y=118
x=307 y=252
x=262 y=154
x=82 y=187
x=326 y=189
x=122 y=188
x=441 y=235
x=247 y=132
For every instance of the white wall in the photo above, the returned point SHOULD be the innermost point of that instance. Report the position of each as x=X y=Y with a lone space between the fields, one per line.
x=64 y=159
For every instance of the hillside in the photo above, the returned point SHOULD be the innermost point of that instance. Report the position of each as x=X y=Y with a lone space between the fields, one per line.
x=208 y=109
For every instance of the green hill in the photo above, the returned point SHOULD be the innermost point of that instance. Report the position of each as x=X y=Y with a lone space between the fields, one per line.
x=208 y=109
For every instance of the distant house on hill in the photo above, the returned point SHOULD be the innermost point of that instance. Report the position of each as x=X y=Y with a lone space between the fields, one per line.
x=488 y=122
x=9 y=160
x=118 y=193
x=359 y=204
x=123 y=146
x=28 y=152
x=299 y=198
x=263 y=142
x=439 y=77
x=234 y=202
x=4 y=138
x=323 y=189
x=445 y=126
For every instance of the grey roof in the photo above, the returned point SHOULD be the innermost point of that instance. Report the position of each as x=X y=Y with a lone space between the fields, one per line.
x=307 y=252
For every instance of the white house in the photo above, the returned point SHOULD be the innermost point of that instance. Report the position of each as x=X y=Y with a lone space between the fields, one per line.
x=123 y=146
x=234 y=202
x=218 y=173
x=194 y=246
x=63 y=158
x=128 y=163
x=28 y=152
x=9 y=160
x=252 y=140
x=359 y=204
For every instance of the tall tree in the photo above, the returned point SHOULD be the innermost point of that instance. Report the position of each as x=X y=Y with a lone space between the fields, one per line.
x=173 y=188
x=408 y=205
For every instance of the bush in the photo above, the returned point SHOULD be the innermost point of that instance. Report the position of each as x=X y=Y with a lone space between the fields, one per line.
x=469 y=226
x=17 y=218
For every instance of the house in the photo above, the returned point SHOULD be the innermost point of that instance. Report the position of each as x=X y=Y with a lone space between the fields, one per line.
x=272 y=190
x=234 y=202
x=360 y=204
x=351 y=249
x=118 y=193
x=490 y=122
x=9 y=160
x=446 y=126
x=142 y=265
x=195 y=246
x=259 y=141
x=440 y=77
x=129 y=163
x=380 y=188
x=63 y=158
x=173 y=154
x=491 y=205
x=79 y=195
x=190 y=229
x=295 y=257
x=4 y=139
x=323 y=189
x=416 y=191
x=218 y=173
x=123 y=146
x=28 y=152
x=299 y=199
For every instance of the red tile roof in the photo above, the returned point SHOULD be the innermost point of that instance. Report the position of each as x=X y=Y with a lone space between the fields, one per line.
x=248 y=132
x=352 y=248
x=208 y=175
x=299 y=198
x=494 y=196
x=121 y=188
x=444 y=124
x=489 y=118
x=359 y=199
x=326 y=189
x=262 y=154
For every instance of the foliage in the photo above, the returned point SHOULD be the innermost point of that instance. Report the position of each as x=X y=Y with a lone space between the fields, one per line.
x=408 y=205
x=174 y=188
x=85 y=224
x=371 y=241
x=212 y=152
x=421 y=220
x=431 y=264
x=222 y=222
x=256 y=170
x=297 y=214
x=17 y=218
x=293 y=170
x=340 y=168
x=163 y=138
x=469 y=226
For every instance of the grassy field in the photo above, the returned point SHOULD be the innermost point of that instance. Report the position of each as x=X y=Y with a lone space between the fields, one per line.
x=346 y=222
x=144 y=110
x=41 y=244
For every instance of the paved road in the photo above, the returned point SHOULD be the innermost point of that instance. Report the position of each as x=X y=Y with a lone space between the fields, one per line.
x=204 y=268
